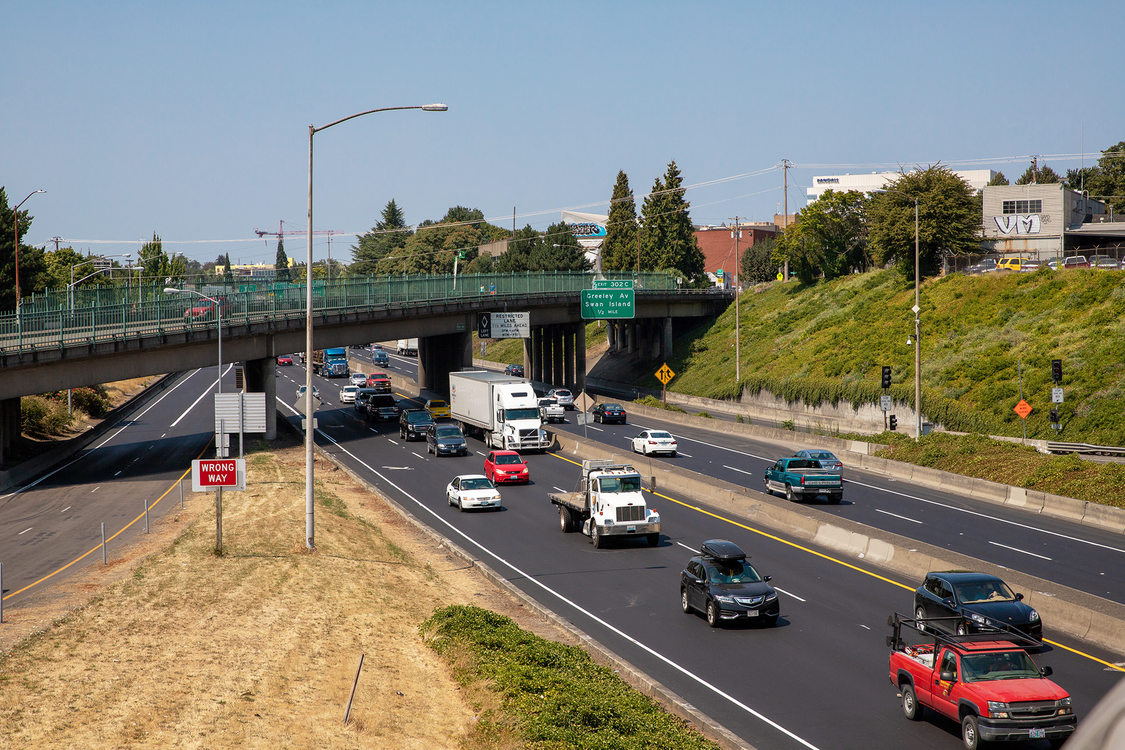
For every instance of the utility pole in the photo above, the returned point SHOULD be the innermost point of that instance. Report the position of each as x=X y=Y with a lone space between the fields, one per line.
x=917 y=337
x=736 y=233
x=785 y=211
x=1034 y=170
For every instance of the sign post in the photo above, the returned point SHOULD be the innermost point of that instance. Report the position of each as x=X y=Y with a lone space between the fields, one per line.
x=1023 y=409
x=664 y=375
x=214 y=474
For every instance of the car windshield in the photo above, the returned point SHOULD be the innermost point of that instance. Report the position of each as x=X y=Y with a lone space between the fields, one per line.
x=733 y=572
x=437 y=404
x=477 y=483
x=449 y=432
x=508 y=459
x=1006 y=665
x=530 y=413
x=620 y=484
x=977 y=592
x=418 y=416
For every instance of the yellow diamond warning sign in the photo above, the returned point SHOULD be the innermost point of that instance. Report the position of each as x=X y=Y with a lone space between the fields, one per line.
x=664 y=374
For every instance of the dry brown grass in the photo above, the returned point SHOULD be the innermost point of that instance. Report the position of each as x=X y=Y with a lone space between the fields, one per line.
x=178 y=647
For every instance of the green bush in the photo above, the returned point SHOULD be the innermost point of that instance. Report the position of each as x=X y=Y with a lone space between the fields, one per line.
x=93 y=401
x=43 y=417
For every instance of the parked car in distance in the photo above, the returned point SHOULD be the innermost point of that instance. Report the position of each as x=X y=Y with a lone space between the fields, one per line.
x=608 y=413
x=975 y=602
x=437 y=408
x=358 y=379
x=285 y=360
x=506 y=466
x=413 y=423
x=1052 y=264
x=1030 y=266
x=1010 y=264
x=379 y=358
x=347 y=394
x=563 y=396
x=1075 y=261
x=516 y=371
x=986 y=265
x=550 y=411
x=655 y=441
x=472 y=491
x=826 y=459
x=1104 y=261
x=381 y=407
x=722 y=584
x=446 y=440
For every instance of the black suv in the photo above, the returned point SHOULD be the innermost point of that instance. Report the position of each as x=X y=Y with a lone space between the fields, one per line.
x=446 y=440
x=361 y=397
x=413 y=423
x=382 y=407
x=974 y=602
x=723 y=585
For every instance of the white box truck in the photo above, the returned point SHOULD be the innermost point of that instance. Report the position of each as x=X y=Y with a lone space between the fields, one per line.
x=407 y=347
x=501 y=409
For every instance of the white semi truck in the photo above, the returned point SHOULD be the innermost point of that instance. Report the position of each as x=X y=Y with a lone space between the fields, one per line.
x=608 y=503
x=407 y=347
x=501 y=409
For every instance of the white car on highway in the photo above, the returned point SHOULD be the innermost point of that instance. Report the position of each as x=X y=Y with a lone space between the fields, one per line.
x=359 y=379
x=655 y=441
x=472 y=491
x=347 y=394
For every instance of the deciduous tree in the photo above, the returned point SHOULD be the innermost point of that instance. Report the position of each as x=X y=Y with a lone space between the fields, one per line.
x=1039 y=175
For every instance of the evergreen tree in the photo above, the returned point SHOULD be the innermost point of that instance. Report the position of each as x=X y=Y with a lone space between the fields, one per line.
x=522 y=246
x=559 y=251
x=1043 y=175
x=281 y=262
x=619 y=249
x=32 y=263
x=998 y=179
x=228 y=272
x=388 y=235
x=756 y=264
x=672 y=241
x=652 y=227
x=1107 y=183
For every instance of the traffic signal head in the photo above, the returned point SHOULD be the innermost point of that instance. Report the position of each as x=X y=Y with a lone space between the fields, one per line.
x=1056 y=370
x=1054 y=415
x=894 y=422
x=886 y=376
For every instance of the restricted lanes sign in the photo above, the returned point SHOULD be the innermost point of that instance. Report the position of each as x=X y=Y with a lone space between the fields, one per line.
x=209 y=474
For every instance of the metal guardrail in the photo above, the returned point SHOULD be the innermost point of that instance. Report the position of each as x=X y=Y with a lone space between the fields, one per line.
x=55 y=320
x=1101 y=450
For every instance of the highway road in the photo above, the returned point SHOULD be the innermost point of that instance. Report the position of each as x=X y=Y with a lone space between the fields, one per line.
x=818 y=680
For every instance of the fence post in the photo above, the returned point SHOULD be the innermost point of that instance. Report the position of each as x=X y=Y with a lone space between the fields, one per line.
x=103 y=542
x=181 y=493
x=146 y=515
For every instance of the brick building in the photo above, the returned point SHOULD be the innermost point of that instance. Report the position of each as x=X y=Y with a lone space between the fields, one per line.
x=718 y=247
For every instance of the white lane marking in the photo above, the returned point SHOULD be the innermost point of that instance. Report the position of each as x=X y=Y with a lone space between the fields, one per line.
x=947 y=506
x=896 y=515
x=64 y=510
x=421 y=457
x=531 y=580
x=202 y=396
x=864 y=626
x=129 y=423
x=789 y=594
x=392 y=441
x=599 y=429
x=373 y=430
x=741 y=471
x=693 y=549
x=989 y=517
x=95 y=489
x=1017 y=549
x=685 y=455
x=481 y=454
x=119 y=471
x=558 y=489
x=29 y=528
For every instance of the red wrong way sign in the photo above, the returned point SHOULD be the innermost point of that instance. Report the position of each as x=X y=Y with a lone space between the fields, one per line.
x=211 y=473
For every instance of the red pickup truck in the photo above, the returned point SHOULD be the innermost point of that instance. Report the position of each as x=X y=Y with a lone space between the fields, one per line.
x=380 y=381
x=984 y=681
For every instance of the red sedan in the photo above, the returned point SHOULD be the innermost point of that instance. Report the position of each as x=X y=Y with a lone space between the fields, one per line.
x=285 y=359
x=506 y=466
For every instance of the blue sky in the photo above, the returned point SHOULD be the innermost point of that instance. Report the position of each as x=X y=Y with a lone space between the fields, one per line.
x=191 y=120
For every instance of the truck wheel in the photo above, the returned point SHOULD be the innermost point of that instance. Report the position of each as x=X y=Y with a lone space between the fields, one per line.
x=835 y=499
x=789 y=493
x=595 y=537
x=653 y=540
x=712 y=615
x=969 y=732
x=684 y=602
x=565 y=524
x=910 y=707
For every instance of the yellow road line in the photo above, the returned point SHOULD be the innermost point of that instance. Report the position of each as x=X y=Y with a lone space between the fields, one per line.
x=831 y=559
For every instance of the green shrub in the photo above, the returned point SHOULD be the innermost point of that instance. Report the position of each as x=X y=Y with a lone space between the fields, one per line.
x=43 y=417
x=93 y=401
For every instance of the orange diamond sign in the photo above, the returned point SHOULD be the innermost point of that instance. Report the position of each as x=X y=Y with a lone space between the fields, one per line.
x=1022 y=408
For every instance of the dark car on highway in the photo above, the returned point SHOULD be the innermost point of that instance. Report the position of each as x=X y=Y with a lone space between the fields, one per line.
x=446 y=440
x=609 y=413
x=972 y=603
x=722 y=584
x=413 y=423
x=515 y=371
x=381 y=407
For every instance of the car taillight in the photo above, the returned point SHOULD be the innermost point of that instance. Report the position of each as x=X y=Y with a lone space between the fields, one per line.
x=802 y=480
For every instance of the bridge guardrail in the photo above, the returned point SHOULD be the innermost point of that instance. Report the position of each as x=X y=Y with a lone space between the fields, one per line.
x=55 y=320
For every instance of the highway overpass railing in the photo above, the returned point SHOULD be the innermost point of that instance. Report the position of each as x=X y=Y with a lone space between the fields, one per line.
x=56 y=319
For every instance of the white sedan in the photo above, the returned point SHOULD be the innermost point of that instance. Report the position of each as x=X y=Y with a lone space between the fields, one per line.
x=347 y=394
x=472 y=491
x=654 y=441
x=358 y=379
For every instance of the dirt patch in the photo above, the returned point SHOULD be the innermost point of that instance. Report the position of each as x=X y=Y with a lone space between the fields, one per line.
x=174 y=646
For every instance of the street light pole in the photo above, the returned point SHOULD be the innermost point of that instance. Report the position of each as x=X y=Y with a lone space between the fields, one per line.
x=310 y=539
x=16 y=248
x=219 y=318
x=917 y=337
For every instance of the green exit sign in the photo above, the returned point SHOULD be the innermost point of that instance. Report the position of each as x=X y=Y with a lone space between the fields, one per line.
x=605 y=304
x=613 y=283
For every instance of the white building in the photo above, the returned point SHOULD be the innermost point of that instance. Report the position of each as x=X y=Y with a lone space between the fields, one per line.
x=876 y=182
x=1044 y=221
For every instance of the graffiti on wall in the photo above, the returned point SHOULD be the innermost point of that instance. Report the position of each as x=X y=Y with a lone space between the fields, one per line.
x=1018 y=224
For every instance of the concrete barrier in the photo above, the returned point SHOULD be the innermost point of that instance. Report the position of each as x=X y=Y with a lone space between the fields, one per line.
x=1063 y=609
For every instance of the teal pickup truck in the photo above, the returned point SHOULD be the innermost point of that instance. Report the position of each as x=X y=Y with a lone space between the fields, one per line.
x=799 y=478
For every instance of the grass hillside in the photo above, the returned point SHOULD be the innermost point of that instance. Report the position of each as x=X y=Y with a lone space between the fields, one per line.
x=827 y=342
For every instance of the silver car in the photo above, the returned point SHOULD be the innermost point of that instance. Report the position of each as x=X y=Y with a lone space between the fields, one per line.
x=562 y=397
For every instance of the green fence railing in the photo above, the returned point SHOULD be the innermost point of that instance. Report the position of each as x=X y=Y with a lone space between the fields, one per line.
x=57 y=319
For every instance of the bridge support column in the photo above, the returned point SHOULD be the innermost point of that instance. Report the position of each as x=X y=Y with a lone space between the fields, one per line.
x=9 y=427
x=611 y=337
x=630 y=331
x=579 y=357
x=557 y=356
x=261 y=377
x=536 y=370
x=568 y=334
x=529 y=354
x=666 y=345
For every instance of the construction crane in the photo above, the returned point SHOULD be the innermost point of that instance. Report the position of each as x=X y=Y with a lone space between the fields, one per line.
x=283 y=232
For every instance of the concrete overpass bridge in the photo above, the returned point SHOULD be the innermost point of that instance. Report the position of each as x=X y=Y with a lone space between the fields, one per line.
x=59 y=342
